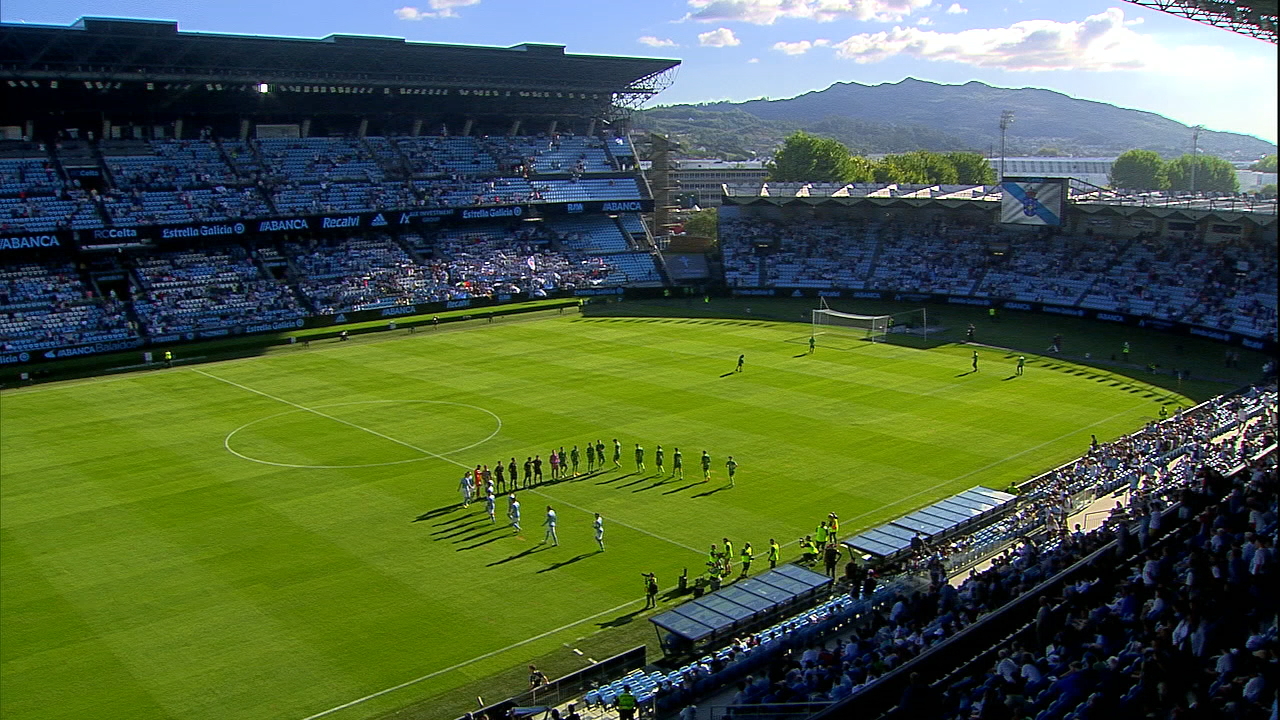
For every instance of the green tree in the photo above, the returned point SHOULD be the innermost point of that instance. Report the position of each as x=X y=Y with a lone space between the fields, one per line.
x=1050 y=152
x=971 y=168
x=1138 y=170
x=1268 y=190
x=810 y=158
x=905 y=169
x=703 y=223
x=1266 y=164
x=1212 y=174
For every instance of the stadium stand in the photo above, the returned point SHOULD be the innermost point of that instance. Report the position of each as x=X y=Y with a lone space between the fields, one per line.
x=1098 y=651
x=345 y=274
x=192 y=290
x=45 y=306
x=1226 y=286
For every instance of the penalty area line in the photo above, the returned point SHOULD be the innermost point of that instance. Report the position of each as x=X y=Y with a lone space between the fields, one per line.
x=465 y=663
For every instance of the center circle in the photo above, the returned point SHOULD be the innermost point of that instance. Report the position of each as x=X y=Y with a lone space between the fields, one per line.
x=454 y=424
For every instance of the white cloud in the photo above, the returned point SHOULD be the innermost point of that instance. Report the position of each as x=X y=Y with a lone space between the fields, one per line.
x=436 y=9
x=720 y=37
x=766 y=12
x=800 y=47
x=955 y=9
x=753 y=61
x=924 y=21
x=1098 y=43
x=793 y=48
x=652 y=41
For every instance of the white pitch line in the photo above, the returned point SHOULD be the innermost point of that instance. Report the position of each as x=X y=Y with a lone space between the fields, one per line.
x=428 y=452
x=465 y=663
x=336 y=419
x=432 y=454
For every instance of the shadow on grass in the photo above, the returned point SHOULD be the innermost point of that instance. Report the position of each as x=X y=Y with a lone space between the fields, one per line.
x=660 y=483
x=679 y=489
x=728 y=374
x=620 y=620
x=433 y=514
x=800 y=355
x=966 y=373
x=482 y=543
x=614 y=480
x=1011 y=377
x=712 y=492
x=462 y=526
x=450 y=536
x=637 y=481
x=570 y=561
x=517 y=556
x=475 y=536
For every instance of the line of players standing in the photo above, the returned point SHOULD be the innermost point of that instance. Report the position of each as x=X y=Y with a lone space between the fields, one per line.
x=504 y=478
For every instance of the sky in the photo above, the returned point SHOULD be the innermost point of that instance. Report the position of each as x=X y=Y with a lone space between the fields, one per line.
x=1110 y=51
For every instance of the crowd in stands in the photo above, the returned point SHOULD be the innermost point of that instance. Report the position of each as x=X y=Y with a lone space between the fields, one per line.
x=1227 y=286
x=199 y=180
x=1190 y=632
x=361 y=274
x=192 y=290
x=341 y=275
x=207 y=288
x=49 y=306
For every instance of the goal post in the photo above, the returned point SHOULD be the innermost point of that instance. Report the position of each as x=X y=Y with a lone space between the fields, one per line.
x=868 y=327
x=873 y=328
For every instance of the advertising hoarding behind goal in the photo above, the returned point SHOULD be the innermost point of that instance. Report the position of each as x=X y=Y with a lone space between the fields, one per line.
x=1033 y=201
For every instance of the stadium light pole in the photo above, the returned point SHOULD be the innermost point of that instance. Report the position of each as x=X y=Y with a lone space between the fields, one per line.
x=1195 y=157
x=1006 y=119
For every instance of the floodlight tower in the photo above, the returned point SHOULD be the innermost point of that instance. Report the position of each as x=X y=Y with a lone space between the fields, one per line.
x=1195 y=154
x=1006 y=119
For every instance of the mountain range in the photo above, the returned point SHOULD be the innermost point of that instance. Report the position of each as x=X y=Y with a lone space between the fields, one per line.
x=920 y=115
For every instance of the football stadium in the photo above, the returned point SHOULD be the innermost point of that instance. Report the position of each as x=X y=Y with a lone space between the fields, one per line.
x=400 y=399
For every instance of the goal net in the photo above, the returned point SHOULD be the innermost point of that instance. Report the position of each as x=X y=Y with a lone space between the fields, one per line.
x=872 y=328
x=868 y=327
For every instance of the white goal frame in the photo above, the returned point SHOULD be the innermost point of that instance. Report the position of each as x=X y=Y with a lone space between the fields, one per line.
x=874 y=328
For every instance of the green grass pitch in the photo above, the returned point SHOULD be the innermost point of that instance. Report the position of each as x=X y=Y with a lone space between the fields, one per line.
x=271 y=537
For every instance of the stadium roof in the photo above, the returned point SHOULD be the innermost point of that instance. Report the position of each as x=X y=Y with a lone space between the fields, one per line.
x=116 y=50
x=1088 y=198
x=1255 y=18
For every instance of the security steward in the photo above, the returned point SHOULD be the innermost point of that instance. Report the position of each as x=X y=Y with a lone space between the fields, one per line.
x=627 y=704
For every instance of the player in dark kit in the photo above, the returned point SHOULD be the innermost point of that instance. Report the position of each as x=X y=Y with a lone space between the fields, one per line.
x=677 y=463
x=499 y=478
x=528 y=472
x=511 y=472
x=975 y=361
x=741 y=359
x=537 y=469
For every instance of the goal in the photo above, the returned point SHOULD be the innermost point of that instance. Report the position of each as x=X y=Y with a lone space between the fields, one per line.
x=872 y=328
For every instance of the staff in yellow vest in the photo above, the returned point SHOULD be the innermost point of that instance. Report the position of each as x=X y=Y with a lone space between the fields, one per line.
x=626 y=704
